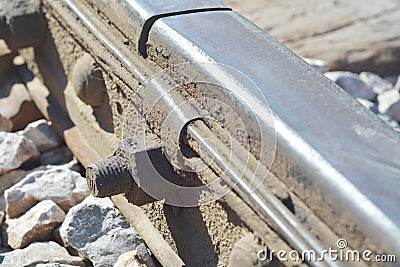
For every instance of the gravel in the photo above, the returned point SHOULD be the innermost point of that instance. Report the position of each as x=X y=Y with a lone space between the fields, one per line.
x=41 y=204
x=36 y=224
x=65 y=187
x=381 y=95
x=15 y=150
x=39 y=252
x=351 y=83
x=100 y=233
x=42 y=135
x=378 y=84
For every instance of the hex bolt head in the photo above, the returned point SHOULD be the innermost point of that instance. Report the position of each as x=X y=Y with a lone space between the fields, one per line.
x=109 y=177
x=113 y=176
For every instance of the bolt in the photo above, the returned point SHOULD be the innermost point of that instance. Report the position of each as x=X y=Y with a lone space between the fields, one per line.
x=113 y=176
x=109 y=177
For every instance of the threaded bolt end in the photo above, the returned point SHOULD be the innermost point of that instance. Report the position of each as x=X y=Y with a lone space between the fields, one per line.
x=109 y=177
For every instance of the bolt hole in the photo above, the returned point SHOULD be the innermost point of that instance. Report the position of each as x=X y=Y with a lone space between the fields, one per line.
x=186 y=150
x=119 y=108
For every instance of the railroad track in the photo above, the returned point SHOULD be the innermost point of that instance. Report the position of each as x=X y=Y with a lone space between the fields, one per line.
x=212 y=127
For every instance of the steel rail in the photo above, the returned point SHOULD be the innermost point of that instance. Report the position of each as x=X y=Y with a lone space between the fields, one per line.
x=328 y=146
x=286 y=224
x=291 y=144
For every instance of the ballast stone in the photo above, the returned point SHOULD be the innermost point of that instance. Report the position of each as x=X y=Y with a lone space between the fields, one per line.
x=42 y=135
x=63 y=186
x=352 y=84
x=37 y=253
x=35 y=225
x=387 y=102
x=99 y=232
x=378 y=84
x=15 y=150
x=58 y=156
x=8 y=179
x=133 y=259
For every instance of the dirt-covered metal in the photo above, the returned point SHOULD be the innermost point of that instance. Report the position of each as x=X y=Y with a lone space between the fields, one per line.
x=87 y=80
